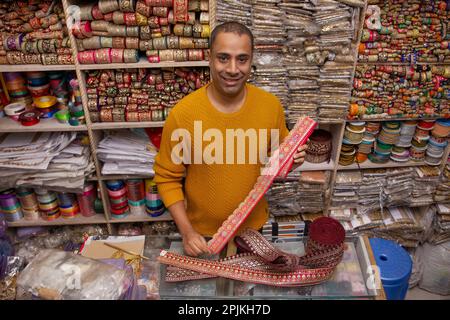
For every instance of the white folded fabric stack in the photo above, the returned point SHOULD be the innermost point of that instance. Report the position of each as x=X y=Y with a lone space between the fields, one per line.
x=54 y=160
x=127 y=152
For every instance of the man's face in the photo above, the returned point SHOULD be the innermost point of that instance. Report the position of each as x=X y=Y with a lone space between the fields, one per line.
x=231 y=62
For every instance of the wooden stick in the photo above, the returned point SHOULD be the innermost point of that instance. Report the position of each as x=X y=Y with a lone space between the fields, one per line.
x=126 y=251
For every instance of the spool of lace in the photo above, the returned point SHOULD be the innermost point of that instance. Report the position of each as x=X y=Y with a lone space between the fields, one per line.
x=10 y=206
x=86 y=200
x=154 y=204
x=68 y=205
x=29 y=203
x=136 y=196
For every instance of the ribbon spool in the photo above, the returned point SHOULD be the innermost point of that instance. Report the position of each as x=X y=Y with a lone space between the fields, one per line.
x=48 y=204
x=136 y=196
x=86 y=200
x=29 y=203
x=29 y=118
x=62 y=116
x=39 y=91
x=441 y=128
x=45 y=102
x=319 y=147
x=10 y=206
x=46 y=105
x=13 y=110
x=36 y=78
x=117 y=192
x=68 y=205
x=154 y=205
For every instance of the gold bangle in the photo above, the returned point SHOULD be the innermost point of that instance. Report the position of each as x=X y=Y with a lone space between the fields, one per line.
x=166 y=55
x=180 y=55
x=145 y=45
x=132 y=43
x=160 y=43
x=187 y=30
x=118 y=42
x=132 y=31
x=127 y=5
x=186 y=43
x=141 y=20
x=173 y=42
x=206 y=31
x=178 y=29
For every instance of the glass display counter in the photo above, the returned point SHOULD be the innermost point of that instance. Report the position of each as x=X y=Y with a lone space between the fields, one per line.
x=353 y=278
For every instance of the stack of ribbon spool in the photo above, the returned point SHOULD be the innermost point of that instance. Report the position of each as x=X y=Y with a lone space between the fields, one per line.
x=353 y=136
x=68 y=205
x=365 y=147
x=17 y=88
x=136 y=196
x=46 y=105
x=139 y=94
x=10 y=206
x=50 y=97
x=87 y=200
x=390 y=132
x=400 y=91
x=395 y=32
x=29 y=203
x=420 y=140
x=117 y=192
x=75 y=114
x=319 y=146
x=154 y=204
x=115 y=31
x=48 y=204
x=34 y=32
x=437 y=139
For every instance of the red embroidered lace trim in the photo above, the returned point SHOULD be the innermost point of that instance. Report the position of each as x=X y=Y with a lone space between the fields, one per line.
x=266 y=264
x=279 y=165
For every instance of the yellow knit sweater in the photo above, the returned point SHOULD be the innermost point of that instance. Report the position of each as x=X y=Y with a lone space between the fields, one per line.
x=214 y=190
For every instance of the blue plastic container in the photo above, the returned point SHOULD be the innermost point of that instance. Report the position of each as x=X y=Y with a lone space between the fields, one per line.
x=395 y=267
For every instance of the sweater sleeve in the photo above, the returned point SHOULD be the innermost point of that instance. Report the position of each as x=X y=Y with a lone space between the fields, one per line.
x=169 y=174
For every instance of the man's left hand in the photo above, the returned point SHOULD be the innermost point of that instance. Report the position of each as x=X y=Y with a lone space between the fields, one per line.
x=299 y=156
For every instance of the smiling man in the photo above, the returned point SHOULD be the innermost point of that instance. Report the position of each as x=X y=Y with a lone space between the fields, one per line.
x=232 y=115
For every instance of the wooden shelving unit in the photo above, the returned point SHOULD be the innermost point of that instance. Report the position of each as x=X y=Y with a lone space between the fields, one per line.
x=143 y=63
x=77 y=220
x=45 y=125
x=95 y=130
x=126 y=125
x=391 y=164
x=35 y=67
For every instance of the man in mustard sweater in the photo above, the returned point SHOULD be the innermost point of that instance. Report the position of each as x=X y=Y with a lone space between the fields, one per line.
x=204 y=142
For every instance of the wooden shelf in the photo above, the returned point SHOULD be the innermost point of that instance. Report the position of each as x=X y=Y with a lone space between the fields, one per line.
x=308 y=166
x=35 y=67
x=79 y=219
x=138 y=218
x=445 y=63
x=143 y=63
x=45 y=125
x=126 y=125
x=391 y=164
x=394 y=119
x=122 y=177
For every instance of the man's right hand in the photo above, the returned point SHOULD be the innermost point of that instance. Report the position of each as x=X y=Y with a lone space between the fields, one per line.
x=194 y=244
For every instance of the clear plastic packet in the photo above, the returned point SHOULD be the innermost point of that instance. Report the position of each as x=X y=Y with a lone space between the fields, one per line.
x=10 y=267
x=59 y=275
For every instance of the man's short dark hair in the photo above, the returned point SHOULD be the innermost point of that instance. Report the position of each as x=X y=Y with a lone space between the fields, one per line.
x=230 y=27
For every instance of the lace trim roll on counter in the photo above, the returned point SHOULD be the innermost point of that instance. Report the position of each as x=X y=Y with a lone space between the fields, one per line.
x=263 y=263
